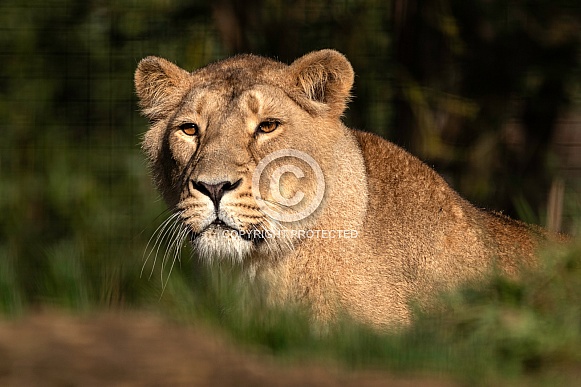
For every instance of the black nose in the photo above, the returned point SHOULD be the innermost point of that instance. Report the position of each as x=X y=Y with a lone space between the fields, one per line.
x=215 y=191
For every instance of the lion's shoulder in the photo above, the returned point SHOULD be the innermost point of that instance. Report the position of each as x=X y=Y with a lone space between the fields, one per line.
x=387 y=163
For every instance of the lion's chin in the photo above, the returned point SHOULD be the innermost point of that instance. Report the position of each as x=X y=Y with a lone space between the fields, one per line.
x=219 y=243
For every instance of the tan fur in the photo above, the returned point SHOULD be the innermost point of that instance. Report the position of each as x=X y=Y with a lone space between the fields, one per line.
x=413 y=235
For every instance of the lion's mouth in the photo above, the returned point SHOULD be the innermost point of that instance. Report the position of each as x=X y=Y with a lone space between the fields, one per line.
x=220 y=223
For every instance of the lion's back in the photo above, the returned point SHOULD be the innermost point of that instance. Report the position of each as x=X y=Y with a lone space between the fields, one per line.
x=434 y=232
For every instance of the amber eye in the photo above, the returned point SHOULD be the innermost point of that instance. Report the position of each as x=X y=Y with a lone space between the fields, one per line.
x=268 y=126
x=189 y=128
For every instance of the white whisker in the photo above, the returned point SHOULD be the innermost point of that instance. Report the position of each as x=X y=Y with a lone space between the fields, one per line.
x=159 y=233
x=177 y=245
x=172 y=233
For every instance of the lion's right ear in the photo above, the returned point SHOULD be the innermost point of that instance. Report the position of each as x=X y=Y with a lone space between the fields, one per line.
x=159 y=85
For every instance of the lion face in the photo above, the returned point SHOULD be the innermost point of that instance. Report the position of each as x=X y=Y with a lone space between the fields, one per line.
x=240 y=149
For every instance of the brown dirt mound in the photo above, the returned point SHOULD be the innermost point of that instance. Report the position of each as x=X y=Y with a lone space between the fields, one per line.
x=141 y=350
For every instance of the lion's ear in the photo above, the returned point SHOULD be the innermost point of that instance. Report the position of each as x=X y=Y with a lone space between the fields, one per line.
x=325 y=77
x=159 y=85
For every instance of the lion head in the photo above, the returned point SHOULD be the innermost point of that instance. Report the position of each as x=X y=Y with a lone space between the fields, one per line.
x=246 y=150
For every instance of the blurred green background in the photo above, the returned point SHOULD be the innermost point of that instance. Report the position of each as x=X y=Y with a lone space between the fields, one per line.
x=485 y=91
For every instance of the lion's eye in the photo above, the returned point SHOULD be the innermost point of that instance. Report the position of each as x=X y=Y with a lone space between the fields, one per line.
x=189 y=128
x=268 y=126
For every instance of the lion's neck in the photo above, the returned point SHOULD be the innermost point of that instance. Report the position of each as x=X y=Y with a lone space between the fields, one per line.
x=342 y=215
x=346 y=187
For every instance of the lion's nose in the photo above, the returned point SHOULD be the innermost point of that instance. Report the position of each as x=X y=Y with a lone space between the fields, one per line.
x=215 y=191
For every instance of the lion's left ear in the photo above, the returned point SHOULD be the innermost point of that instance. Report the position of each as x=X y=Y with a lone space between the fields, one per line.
x=324 y=77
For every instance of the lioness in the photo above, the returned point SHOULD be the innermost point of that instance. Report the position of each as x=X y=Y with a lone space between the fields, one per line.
x=252 y=156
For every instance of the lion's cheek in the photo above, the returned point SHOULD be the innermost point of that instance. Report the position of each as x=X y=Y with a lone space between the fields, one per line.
x=181 y=150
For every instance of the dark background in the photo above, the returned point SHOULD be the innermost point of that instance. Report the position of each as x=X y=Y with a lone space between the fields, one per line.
x=485 y=91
